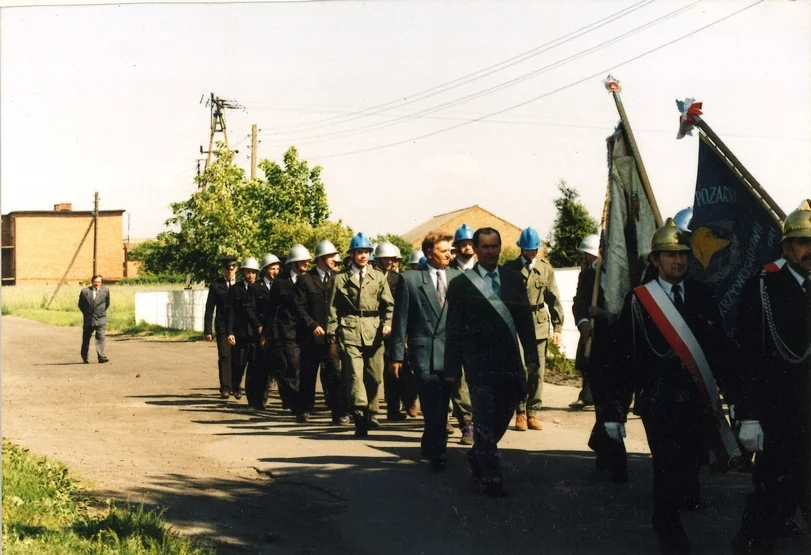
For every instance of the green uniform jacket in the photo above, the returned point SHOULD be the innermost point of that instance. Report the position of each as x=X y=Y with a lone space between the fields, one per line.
x=357 y=314
x=542 y=290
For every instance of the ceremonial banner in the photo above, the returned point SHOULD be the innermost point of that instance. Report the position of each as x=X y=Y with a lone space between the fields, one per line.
x=630 y=224
x=733 y=235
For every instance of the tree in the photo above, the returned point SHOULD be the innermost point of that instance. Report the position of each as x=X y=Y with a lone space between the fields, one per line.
x=572 y=223
x=404 y=246
x=231 y=214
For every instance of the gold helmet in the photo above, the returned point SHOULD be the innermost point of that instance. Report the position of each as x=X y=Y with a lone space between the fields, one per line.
x=669 y=238
x=798 y=223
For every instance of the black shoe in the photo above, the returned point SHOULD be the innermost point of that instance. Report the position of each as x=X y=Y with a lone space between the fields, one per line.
x=396 y=416
x=372 y=423
x=341 y=420
x=438 y=462
x=85 y=360
x=224 y=393
x=102 y=360
x=302 y=417
x=237 y=394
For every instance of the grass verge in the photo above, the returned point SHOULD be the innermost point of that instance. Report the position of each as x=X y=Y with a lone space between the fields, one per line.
x=45 y=511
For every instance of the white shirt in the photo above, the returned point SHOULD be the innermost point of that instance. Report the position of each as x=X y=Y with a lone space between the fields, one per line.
x=469 y=264
x=487 y=279
x=525 y=260
x=435 y=275
x=668 y=288
x=293 y=275
x=800 y=279
x=355 y=270
x=321 y=273
x=267 y=281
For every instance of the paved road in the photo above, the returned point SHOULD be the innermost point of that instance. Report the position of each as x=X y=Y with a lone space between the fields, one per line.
x=149 y=427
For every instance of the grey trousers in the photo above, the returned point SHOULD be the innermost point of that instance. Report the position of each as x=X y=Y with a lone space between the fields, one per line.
x=531 y=404
x=87 y=332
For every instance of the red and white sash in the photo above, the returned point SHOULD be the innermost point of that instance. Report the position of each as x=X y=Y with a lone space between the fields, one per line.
x=684 y=343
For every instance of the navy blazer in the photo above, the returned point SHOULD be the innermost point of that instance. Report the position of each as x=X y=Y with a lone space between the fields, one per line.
x=479 y=340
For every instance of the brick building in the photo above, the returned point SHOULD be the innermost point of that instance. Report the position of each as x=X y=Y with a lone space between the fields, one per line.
x=475 y=216
x=38 y=245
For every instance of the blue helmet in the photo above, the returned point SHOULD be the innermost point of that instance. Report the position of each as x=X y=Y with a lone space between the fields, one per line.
x=464 y=233
x=529 y=240
x=359 y=241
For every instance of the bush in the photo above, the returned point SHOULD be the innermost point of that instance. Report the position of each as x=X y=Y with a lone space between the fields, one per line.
x=556 y=361
x=153 y=279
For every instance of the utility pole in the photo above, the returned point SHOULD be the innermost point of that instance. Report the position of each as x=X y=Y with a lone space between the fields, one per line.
x=254 y=133
x=95 y=232
x=217 y=107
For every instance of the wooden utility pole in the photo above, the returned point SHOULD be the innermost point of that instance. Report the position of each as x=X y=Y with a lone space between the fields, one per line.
x=95 y=232
x=254 y=133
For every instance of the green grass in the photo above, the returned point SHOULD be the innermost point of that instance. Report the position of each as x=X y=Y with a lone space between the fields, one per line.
x=45 y=511
x=30 y=301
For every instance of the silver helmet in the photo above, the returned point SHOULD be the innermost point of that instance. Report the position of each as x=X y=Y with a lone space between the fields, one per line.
x=384 y=249
x=325 y=248
x=683 y=218
x=298 y=253
x=268 y=260
x=415 y=257
x=590 y=244
x=250 y=263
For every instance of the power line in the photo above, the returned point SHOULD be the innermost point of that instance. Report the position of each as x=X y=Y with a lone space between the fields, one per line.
x=469 y=78
x=495 y=88
x=539 y=97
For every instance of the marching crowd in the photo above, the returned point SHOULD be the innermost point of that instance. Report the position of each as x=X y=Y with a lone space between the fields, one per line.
x=456 y=329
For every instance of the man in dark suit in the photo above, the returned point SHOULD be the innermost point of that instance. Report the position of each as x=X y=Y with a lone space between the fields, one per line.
x=312 y=302
x=611 y=455
x=241 y=325
x=216 y=302
x=420 y=315
x=94 y=302
x=257 y=379
x=775 y=411
x=488 y=314
x=400 y=388
x=671 y=353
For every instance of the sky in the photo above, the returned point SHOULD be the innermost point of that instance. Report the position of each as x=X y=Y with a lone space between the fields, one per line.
x=107 y=98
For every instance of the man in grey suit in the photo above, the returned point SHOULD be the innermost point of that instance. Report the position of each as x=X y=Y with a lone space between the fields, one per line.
x=488 y=314
x=94 y=302
x=420 y=314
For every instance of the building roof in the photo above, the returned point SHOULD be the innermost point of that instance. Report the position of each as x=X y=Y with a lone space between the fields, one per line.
x=440 y=220
x=63 y=213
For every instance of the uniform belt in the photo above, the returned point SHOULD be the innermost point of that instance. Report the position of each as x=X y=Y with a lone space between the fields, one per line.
x=534 y=307
x=364 y=313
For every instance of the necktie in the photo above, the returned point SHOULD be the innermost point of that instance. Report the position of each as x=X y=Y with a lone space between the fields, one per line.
x=326 y=277
x=360 y=278
x=495 y=283
x=678 y=300
x=527 y=265
x=441 y=289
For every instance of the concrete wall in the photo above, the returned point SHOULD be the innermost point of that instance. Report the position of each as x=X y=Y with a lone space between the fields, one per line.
x=178 y=310
x=184 y=310
x=44 y=245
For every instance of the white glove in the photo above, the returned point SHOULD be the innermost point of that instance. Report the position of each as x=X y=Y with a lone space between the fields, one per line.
x=615 y=430
x=732 y=412
x=751 y=435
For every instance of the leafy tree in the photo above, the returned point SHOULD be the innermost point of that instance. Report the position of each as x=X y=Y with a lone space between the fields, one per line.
x=404 y=246
x=230 y=214
x=508 y=252
x=572 y=223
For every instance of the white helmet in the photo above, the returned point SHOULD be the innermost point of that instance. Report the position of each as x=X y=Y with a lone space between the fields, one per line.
x=384 y=249
x=324 y=248
x=590 y=244
x=250 y=263
x=415 y=257
x=298 y=253
x=268 y=260
x=683 y=218
x=397 y=254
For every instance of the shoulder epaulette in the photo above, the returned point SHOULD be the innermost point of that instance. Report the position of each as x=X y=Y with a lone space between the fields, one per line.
x=773 y=267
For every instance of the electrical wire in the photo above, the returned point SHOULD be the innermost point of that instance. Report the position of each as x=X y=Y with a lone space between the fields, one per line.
x=465 y=79
x=549 y=93
x=495 y=88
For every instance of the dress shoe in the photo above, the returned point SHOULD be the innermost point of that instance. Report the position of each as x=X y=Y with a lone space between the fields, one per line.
x=467 y=435
x=580 y=404
x=84 y=359
x=412 y=411
x=372 y=422
x=521 y=422
x=494 y=489
x=396 y=416
x=438 y=462
x=303 y=417
x=237 y=394
x=341 y=420
x=102 y=360
x=224 y=393
x=448 y=428
x=534 y=424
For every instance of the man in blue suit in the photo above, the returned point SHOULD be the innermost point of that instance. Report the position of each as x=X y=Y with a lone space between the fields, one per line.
x=420 y=313
x=488 y=315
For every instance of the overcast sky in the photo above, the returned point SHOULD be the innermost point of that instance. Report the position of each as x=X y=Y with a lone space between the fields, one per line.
x=106 y=98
